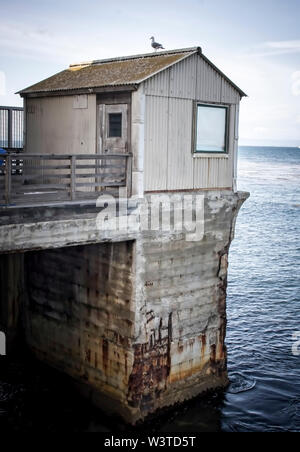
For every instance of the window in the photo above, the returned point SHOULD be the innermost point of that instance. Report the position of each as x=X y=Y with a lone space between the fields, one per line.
x=115 y=125
x=211 y=125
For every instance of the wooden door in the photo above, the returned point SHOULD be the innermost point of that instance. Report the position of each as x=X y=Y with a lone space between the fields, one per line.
x=113 y=133
x=113 y=139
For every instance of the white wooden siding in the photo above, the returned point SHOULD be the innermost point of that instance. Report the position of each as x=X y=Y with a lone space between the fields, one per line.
x=55 y=126
x=192 y=78
x=209 y=83
x=169 y=161
x=156 y=142
x=228 y=93
x=177 y=81
x=170 y=98
x=211 y=173
x=159 y=84
x=183 y=77
x=180 y=162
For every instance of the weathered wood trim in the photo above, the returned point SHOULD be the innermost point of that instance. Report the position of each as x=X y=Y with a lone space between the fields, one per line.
x=73 y=177
x=129 y=176
x=72 y=92
x=187 y=190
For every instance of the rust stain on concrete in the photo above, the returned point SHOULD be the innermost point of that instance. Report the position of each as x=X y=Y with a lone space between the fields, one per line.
x=105 y=354
x=151 y=368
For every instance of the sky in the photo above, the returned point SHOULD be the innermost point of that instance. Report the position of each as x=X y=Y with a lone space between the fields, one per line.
x=256 y=43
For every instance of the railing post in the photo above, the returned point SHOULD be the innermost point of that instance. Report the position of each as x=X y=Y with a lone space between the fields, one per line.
x=7 y=178
x=128 y=174
x=9 y=126
x=98 y=165
x=73 y=177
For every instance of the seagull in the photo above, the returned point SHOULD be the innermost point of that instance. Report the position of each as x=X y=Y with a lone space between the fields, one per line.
x=155 y=45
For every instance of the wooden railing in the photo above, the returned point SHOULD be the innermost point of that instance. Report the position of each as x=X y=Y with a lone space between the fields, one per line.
x=11 y=128
x=43 y=178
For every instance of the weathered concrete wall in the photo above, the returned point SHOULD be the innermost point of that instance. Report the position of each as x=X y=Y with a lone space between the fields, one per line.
x=181 y=302
x=139 y=323
x=80 y=314
x=11 y=295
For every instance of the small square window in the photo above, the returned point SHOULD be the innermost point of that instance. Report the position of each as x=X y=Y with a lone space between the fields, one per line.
x=115 y=125
x=211 y=128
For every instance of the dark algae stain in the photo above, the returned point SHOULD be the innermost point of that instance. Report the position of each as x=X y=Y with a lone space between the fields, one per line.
x=151 y=368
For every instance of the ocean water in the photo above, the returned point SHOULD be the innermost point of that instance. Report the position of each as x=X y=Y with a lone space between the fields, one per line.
x=263 y=311
x=263 y=300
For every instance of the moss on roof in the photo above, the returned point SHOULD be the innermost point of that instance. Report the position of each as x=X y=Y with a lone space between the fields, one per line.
x=107 y=73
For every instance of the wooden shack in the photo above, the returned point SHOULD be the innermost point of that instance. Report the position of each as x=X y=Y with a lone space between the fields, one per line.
x=175 y=111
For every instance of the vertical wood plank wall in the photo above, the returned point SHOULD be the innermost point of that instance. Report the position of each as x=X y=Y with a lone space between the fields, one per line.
x=170 y=103
x=61 y=125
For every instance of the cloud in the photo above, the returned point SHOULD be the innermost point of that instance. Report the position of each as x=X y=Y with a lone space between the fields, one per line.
x=261 y=131
x=21 y=41
x=270 y=48
x=63 y=44
x=296 y=83
x=287 y=45
x=2 y=84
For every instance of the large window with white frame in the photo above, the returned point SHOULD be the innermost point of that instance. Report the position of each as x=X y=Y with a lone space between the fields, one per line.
x=211 y=129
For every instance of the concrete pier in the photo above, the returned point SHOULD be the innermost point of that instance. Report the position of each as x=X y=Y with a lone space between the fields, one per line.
x=136 y=318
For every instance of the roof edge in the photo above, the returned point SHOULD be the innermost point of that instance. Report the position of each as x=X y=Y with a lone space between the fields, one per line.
x=141 y=55
x=242 y=94
x=83 y=90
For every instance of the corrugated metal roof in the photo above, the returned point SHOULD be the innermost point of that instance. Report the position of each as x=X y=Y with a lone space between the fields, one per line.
x=128 y=70
x=114 y=72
